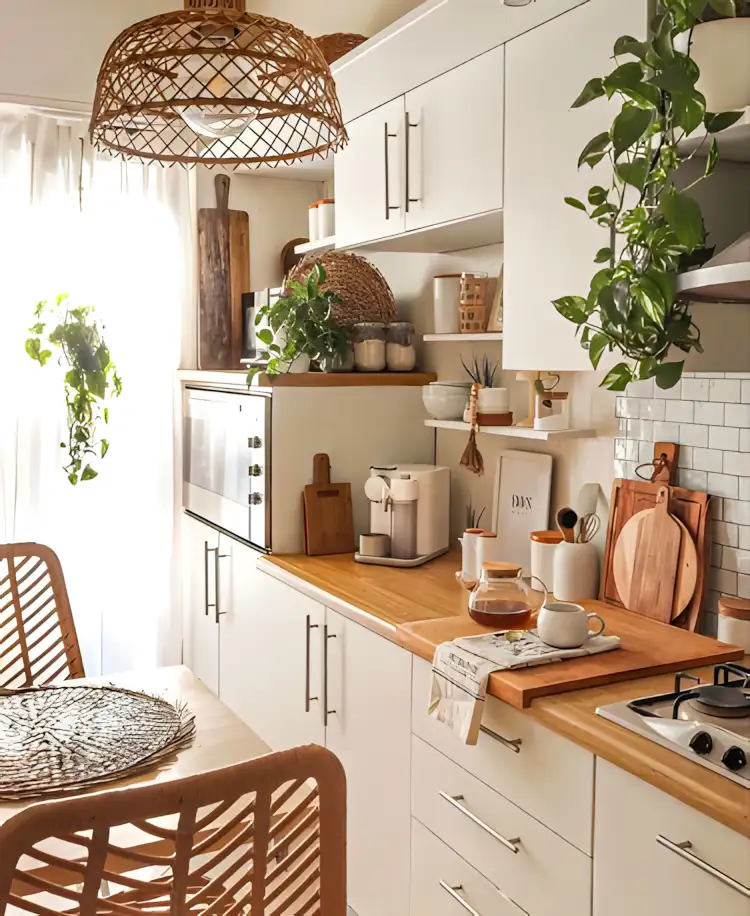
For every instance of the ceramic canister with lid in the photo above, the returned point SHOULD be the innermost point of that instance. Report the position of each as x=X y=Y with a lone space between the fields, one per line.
x=369 y=346
x=313 y=231
x=734 y=621
x=543 y=544
x=326 y=218
x=447 y=293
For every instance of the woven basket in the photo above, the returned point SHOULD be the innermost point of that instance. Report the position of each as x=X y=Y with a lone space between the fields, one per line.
x=338 y=44
x=363 y=290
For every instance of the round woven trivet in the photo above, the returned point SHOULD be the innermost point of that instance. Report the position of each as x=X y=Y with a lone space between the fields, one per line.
x=67 y=738
x=363 y=290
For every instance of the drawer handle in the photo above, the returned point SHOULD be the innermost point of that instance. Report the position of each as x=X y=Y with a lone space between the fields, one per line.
x=513 y=744
x=456 y=800
x=453 y=891
x=681 y=849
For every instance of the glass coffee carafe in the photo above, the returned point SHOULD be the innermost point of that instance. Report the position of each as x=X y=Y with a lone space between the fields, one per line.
x=506 y=599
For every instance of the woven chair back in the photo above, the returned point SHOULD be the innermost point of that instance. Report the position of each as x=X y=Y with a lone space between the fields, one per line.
x=38 y=641
x=263 y=838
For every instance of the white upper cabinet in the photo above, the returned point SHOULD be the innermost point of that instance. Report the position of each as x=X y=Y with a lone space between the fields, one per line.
x=549 y=246
x=369 y=177
x=453 y=137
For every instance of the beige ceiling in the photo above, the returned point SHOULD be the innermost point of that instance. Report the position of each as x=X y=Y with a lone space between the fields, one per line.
x=319 y=17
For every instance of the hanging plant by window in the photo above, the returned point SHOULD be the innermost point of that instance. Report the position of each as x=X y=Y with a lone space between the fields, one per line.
x=656 y=230
x=90 y=379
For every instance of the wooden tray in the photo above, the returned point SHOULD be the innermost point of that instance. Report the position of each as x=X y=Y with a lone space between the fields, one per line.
x=689 y=506
x=647 y=647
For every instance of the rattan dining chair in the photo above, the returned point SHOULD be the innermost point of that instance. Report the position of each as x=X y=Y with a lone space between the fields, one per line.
x=38 y=641
x=262 y=838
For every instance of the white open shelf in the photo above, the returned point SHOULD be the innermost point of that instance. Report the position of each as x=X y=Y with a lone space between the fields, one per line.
x=734 y=142
x=317 y=247
x=463 y=338
x=515 y=432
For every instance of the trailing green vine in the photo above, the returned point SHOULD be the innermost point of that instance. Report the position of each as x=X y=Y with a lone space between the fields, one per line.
x=656 y=230
x=90 y=379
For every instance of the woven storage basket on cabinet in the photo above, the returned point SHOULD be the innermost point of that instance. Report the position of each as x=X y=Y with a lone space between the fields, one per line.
x=363 y=290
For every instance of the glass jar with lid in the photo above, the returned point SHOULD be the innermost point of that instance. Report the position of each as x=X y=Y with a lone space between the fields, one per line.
x=401 y=354
x=369 y=346
x=504 y=598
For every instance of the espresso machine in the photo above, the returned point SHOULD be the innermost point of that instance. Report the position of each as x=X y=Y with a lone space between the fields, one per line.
x=409 y=515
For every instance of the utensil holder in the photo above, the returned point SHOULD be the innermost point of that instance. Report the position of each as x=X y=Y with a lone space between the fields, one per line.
x=575 y=571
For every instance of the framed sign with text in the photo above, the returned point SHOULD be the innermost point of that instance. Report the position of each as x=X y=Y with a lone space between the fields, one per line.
x=521 y=501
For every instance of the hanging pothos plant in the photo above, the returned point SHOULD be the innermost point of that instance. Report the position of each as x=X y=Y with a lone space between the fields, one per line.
x=91 y=377
x=656 y=230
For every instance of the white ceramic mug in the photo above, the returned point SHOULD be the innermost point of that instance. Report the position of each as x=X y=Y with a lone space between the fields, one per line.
x=566 y=626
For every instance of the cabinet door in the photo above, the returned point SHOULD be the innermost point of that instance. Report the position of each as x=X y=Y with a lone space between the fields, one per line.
x=200 y=561
x=549 y=246
x=635 y=872
x=369 y=730
x=453 y=129
x=271 y=653
x=369 y=177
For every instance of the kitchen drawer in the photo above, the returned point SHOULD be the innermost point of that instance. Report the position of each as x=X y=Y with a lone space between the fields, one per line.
x=635 y=872
x=548 y=776
x=541 y=872
x=439 y=876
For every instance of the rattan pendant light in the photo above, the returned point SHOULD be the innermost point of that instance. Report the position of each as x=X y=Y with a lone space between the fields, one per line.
x=214 y=84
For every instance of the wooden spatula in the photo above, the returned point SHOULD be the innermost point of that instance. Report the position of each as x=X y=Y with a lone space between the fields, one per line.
x=329 y=522
x=647 y=570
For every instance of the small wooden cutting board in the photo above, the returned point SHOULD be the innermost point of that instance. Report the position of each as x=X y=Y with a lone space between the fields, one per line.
x=329 y=518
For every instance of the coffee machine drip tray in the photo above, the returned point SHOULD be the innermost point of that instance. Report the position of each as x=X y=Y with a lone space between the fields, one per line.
x=399 y=564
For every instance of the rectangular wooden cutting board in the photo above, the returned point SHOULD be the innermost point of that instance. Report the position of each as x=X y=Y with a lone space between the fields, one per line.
x=647 y=647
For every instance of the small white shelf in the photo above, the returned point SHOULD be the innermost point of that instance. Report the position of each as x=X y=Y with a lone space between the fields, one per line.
x=734 y=142
x=463 y=338
x=515 y=432
x=317 y=247
x=721 y=283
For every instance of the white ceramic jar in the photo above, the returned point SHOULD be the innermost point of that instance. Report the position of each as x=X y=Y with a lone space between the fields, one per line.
x=543 y=546
x=313 y=231
x=326 y=218
x=447 y=293
x=721 y=49
x=575 y=571
x=734 y=622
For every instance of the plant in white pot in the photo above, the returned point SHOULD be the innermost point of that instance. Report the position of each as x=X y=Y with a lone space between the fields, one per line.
x=720 y=46
x=300 y=328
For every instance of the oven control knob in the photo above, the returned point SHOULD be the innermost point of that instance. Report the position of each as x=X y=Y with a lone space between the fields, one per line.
x=255 y=470
x=701 y=743
x=255 y=442
x=256 y=499
x=734 y=759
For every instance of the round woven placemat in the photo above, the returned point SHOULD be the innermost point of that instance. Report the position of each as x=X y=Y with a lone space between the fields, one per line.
x=364 y=292
x=66 y=738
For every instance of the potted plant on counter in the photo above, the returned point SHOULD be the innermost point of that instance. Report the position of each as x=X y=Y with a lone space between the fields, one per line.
x=656 y=228
x=299 y=329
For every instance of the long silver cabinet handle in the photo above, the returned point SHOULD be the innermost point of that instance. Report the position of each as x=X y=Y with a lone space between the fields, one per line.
x=453 y=891
x=388 y=206
x=207 y=551
x=408 y=127
x=308 y=637
x=326 y=711
x=513 y=744
x=456 y=800
x=681 y=850
x=217 y=577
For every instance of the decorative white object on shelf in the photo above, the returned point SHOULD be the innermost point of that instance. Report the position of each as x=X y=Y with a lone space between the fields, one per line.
x=326 y=218
x=720 y=49
x=552 y=411
x=515 y=432
x=447 y=296
x=548 y=379
x=313 y=222
x=520 y=504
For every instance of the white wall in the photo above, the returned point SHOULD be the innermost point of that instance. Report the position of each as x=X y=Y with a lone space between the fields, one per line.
x=51 y=50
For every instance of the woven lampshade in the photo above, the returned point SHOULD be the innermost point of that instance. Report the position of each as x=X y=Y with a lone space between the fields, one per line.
x=213 y=83
x=338 y=44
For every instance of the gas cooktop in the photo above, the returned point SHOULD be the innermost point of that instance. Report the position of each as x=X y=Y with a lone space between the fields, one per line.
x=707 y=723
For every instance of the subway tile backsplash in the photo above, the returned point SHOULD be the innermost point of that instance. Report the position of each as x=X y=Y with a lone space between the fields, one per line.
x=708 y=414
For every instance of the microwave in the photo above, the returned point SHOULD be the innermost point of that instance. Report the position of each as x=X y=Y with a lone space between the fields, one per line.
x=251 y=304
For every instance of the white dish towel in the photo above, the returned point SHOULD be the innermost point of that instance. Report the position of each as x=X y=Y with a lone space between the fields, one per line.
x=460 y=670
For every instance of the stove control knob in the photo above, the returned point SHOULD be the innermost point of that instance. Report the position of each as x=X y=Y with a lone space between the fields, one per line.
x=701 y=743
x=734 y=759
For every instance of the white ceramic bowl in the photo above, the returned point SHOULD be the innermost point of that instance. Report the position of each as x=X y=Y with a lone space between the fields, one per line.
x=444 y=403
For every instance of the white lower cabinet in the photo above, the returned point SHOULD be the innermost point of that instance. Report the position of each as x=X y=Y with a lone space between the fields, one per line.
x=654 y=855
x=532 y=865
x=444 y=884
x=200 y=563
x=369 y=730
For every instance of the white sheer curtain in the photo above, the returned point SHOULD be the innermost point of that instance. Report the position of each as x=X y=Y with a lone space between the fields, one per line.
x=117 y=236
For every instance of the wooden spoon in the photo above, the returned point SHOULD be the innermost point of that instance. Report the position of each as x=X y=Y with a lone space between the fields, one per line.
x=567 y=519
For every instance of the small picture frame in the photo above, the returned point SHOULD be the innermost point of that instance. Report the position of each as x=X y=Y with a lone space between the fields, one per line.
x=521 y=502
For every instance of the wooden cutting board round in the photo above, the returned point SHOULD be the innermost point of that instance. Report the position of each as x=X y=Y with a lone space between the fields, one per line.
x=638 y=575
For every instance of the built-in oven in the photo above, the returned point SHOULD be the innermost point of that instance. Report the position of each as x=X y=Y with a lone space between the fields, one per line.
x=226 y=461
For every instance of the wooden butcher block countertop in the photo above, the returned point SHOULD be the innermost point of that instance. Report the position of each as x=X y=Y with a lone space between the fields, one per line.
x=425 y=606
